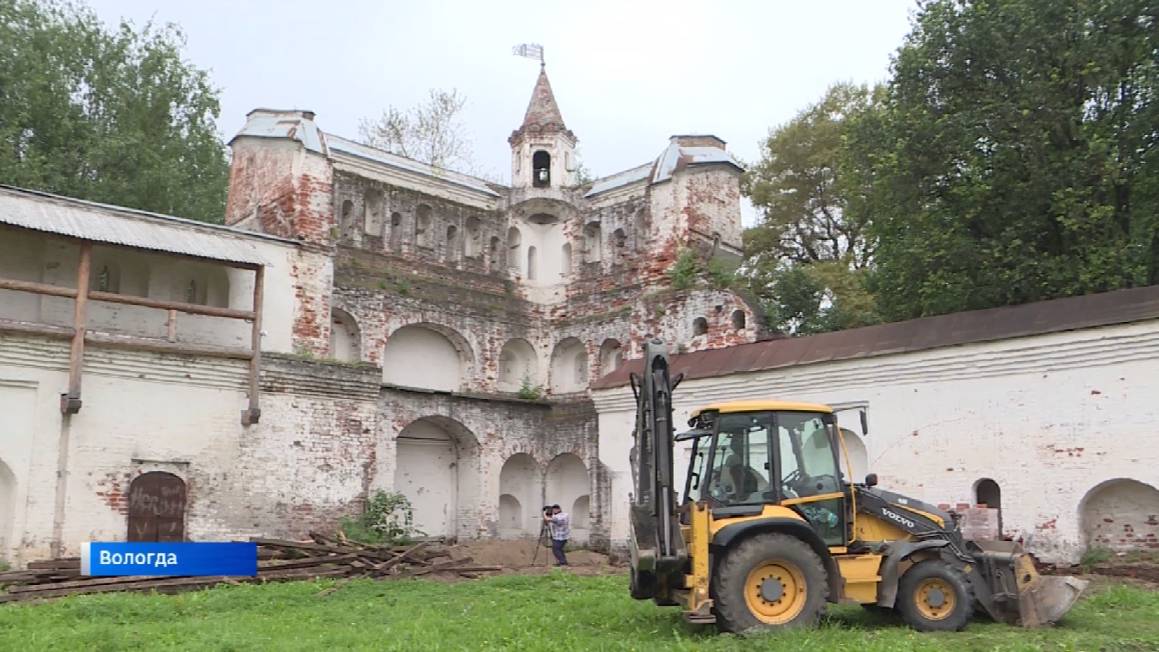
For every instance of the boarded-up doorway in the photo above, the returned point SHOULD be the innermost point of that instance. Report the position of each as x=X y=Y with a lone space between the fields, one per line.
x=157 y=507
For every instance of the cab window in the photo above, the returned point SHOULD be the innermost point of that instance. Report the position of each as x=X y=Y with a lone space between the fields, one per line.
x=740 y=462
x=808 y=465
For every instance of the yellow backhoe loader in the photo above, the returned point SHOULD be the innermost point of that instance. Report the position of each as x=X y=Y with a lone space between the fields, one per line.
x=770 y=529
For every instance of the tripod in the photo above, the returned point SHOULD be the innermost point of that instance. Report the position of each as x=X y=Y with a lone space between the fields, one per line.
x=540 y=542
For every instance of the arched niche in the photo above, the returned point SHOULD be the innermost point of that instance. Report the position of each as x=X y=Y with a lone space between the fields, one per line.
x=345 y=338
x=569 y=367
x=426 y=356
x=611 y=356
x=1120 y=515
x=514 y=243
x=521 y=479
x=517 y=366
x=566 y=482
x=436 y=468
x=424 y=230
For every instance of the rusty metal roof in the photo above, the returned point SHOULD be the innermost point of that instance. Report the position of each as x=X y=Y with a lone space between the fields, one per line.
x=1058 y=315
x=76 y=218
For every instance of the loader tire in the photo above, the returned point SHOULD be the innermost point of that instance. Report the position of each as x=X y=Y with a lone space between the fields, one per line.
x=769 y=581
x=933 y=597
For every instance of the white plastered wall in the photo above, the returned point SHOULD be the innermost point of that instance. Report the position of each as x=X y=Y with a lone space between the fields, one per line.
x=1047 y=417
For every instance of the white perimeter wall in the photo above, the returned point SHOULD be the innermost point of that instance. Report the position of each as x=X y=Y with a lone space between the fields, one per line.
x=1048 y=417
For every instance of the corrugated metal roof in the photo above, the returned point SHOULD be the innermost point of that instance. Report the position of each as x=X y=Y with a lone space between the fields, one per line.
x=292 y=124
x=619 y=179
x=41 y=211
x=1073 y=313
x=339 y=144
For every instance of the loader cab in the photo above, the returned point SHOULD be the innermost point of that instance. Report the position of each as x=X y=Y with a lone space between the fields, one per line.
x=750 y=454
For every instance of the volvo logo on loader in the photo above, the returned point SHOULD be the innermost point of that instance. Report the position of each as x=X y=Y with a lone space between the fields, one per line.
x=899 y=518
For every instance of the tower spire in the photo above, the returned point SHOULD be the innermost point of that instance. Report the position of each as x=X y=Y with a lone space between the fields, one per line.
x=542 y=111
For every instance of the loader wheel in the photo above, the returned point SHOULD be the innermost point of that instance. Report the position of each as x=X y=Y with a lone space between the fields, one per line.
x=769 y=580
x=933 y=597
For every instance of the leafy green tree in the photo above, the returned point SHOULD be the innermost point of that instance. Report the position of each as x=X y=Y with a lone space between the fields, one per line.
x=1017 y=157
x=808 y=256
x=112 y=116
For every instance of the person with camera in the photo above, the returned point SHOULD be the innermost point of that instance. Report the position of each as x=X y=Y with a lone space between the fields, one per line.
x=560 y=525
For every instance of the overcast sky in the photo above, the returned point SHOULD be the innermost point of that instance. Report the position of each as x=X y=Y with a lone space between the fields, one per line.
x=626 y=74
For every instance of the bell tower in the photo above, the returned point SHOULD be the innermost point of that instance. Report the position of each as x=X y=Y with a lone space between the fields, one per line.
x=543 y=148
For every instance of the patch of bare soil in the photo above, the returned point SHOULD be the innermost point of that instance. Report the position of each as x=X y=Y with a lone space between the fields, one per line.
x=525 y=557
x=1142 y=571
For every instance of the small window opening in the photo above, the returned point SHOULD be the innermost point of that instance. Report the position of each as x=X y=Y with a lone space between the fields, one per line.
x=531 y=263
x=699 y=327
x=988 y=493
x=541 y=169
x=738 y=320
x=452 y=233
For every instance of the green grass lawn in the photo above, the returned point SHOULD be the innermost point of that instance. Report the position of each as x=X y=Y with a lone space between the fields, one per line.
x=555 y=612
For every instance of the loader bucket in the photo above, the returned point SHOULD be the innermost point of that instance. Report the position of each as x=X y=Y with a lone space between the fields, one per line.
x=1041 y=600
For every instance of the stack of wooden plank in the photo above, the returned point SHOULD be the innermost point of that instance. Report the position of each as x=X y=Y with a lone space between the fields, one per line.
x=278 y=560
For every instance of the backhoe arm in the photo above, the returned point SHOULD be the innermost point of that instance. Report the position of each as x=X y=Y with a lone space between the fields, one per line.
x=658 y=552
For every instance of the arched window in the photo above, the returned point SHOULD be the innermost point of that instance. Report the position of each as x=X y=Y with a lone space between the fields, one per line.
x=620 y=242
x=593 y=243
x=493 y=253
x=347 y=217
x=699 y=327
x=395 y=231
x=531 y=263
x=738 y=320
x=565 y=260
x=541 y=169
x=514 y=240
x=452 y=242
x=372 y=202
x=423 y=226
x=472 y=244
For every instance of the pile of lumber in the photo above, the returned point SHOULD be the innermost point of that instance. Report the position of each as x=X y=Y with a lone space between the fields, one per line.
x=278 y=560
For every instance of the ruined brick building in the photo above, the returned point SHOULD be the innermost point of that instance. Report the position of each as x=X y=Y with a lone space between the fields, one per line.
x=379 y=323
x=364 y=321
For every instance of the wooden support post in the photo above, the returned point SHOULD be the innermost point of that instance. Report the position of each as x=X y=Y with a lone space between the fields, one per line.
x=171 y=333
x=70 y=403
x=253 y=413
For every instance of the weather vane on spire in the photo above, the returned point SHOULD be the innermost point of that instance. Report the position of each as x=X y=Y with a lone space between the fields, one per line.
x=529 y=50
